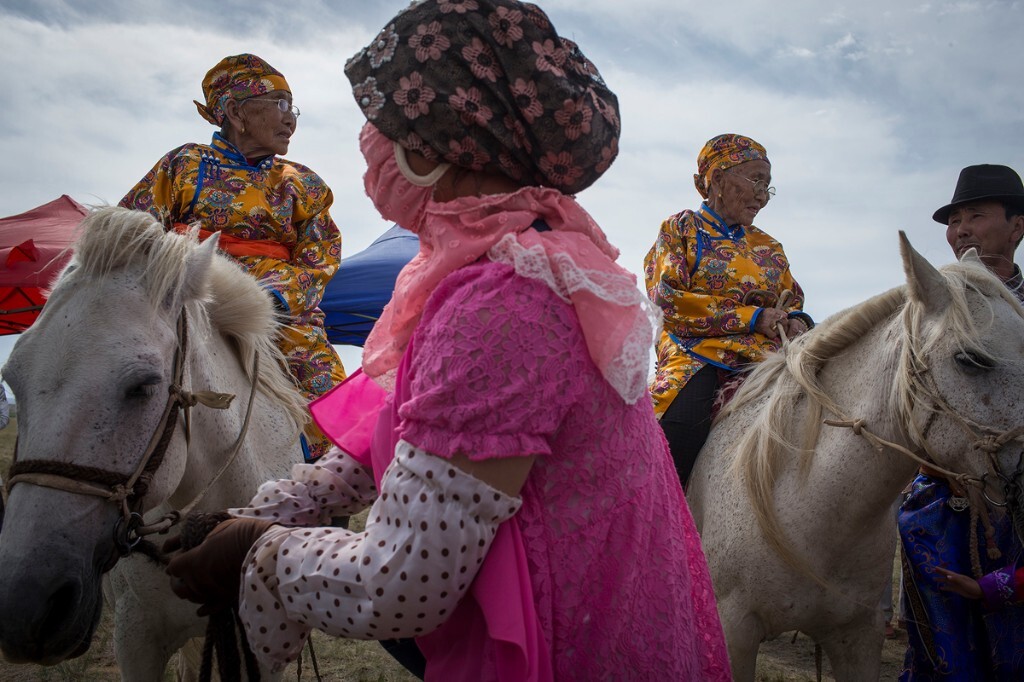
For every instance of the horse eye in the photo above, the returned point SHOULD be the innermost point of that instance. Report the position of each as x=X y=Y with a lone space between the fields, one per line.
x=143 y=389
x=973 y=362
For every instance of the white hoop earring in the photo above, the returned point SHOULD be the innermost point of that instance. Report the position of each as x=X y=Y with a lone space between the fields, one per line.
x=427 y=180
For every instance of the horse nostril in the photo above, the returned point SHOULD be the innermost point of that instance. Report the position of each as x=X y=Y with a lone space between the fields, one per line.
x=60 y=608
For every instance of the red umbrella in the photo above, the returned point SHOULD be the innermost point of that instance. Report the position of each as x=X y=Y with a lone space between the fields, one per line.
x=33 y=249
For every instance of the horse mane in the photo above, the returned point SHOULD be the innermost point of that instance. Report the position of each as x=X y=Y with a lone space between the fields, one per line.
x=230 y=302
x=775 y=386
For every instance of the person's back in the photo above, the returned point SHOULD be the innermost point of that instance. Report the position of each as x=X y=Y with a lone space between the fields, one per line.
x=508 y=370
x=604 y=525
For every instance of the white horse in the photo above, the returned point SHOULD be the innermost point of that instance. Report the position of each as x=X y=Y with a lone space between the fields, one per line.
x=797 y=518
x=92 y=377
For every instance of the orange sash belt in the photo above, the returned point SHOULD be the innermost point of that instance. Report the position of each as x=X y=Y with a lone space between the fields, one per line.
x=237 y=247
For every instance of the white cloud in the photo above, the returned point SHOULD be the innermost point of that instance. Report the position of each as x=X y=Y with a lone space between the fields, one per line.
x=796 y=51
x=868 y=110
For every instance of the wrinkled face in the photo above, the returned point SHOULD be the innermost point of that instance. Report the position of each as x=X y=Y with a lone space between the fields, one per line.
x=268 y=129
x=984 y=226
x=739 y=193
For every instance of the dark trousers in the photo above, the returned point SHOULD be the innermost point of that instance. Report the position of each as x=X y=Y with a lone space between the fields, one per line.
x=408 y=654
x=687 y=420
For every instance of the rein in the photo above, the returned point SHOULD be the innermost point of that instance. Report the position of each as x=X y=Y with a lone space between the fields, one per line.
x=985 y=438
x=969 y=491
x=129 y=492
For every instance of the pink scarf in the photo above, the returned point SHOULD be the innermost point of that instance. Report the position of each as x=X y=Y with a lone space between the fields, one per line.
x=574 y=259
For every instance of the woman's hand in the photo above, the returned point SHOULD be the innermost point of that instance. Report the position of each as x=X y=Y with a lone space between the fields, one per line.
x=795 y=327
x=211 y=573
x=772 y=320
x=769 y=321
x=963 y=585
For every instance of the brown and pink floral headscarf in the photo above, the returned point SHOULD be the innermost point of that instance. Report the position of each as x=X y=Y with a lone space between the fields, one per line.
x=490 y=86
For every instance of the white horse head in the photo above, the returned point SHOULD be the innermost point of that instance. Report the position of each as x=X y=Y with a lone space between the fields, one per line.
x=797 y=518
x=92 y=377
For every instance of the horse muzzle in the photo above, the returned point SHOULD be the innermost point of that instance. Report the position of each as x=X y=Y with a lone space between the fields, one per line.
x=50 y=581
x=47 y=622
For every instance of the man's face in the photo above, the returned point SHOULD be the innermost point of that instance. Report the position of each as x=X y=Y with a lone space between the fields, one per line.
x=984 y=226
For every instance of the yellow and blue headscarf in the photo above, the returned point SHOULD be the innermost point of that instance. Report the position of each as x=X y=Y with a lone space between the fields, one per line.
x=723 y=152
x=237 y=77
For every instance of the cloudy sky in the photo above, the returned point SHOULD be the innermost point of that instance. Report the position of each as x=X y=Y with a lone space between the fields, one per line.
x=868 y=109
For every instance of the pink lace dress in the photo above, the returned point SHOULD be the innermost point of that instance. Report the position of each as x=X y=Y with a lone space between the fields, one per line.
x=595 y=573
x=620 y=583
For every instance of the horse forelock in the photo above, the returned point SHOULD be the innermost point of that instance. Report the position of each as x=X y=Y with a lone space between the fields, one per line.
x=228 y=301
x=962 y=325
x=112 y=239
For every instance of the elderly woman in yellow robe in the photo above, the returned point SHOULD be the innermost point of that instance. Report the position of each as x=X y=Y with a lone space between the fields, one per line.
x=273 y=214
x=722 y=286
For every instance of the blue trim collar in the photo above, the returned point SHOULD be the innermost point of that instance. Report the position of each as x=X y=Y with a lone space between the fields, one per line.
x=716 y=222
x=236 y=157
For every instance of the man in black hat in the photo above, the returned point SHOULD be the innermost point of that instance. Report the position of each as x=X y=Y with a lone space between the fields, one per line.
x=951 y=634
x=987 y=213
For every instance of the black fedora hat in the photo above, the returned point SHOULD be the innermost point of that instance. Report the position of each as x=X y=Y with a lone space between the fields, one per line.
x=984 y=183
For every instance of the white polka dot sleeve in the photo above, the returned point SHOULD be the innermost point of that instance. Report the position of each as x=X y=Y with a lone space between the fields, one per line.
x=336 y=485
x=425 y=539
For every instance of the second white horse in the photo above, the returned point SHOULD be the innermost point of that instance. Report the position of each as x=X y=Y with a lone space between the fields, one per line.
x=796 y=517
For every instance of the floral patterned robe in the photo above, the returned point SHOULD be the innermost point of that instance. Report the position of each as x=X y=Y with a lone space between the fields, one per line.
x=698 y=273
x=278 y=202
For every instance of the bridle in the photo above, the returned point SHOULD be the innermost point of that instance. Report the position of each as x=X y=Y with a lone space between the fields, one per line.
x=988 y=439
x=969 y=491
x=983 y=437
x=129 y=492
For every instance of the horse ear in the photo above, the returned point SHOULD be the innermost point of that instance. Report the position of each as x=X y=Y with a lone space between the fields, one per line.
x=925 y=283
x=971 y=256
x=197 y=264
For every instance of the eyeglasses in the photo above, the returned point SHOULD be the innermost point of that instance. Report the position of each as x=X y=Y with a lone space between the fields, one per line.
x=759 y=185
x=283 y=105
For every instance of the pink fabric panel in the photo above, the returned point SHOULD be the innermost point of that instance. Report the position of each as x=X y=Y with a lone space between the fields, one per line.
x=496 y=625
x=485 y=381
x=347 y=414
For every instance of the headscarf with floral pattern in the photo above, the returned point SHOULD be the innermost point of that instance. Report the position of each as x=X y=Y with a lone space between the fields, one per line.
x=723 y=152
x=490 y=86
x=237 y=77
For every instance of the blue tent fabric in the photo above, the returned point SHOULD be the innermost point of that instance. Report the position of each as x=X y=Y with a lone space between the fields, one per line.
x=363 y=285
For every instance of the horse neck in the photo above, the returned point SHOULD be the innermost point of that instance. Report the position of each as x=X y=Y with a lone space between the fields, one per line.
x=213 y=365
x=859 y=382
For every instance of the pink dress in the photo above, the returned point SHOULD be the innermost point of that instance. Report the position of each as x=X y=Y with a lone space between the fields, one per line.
x=498 y=367
x=600 y=573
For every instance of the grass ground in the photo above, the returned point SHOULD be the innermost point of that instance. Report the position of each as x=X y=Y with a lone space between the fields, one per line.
x=781 y=660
